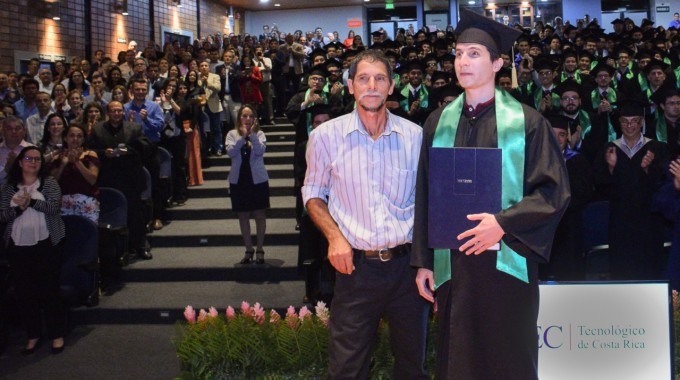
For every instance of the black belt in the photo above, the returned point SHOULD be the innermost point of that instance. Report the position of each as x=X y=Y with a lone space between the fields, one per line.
x=385 y=254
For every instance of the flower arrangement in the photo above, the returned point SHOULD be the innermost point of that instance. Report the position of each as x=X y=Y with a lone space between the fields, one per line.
x=251 y=343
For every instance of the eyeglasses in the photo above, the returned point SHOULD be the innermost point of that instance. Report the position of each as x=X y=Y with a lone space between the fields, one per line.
x=32 y=159
x=545 y=73
x=673 y=103
x=317 y=79
x=625 y=123
x=570 y=98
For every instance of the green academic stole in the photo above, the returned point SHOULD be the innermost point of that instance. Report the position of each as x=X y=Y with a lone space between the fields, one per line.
x=643 y=82
x=677 y=76
x=538 y=95
x=611 y=98
x=661 y=128
x=576 y=77
x=584 y=122
x=308 y=115
x=511 y=140
x=422 y=97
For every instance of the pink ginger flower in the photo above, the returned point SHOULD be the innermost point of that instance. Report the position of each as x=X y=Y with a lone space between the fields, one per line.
x=202 y=315
x=292 y=319
x=231 y=313
x=190 y=314
x=246 y=309
x=212 y=312
x=322 y=313
x=274 y=317
x=305 y=313
x=258 y=313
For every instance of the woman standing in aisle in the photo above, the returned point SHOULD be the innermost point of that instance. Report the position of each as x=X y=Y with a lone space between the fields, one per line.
x=248 y=179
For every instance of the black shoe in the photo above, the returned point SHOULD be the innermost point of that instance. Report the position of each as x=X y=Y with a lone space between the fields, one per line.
x=58 y=350
x=144 y=254
x=260 y=257
x=247 y=258
x=297 y=226
x=31 y=351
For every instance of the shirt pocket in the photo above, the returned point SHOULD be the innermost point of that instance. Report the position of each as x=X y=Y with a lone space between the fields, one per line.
x=399 y=187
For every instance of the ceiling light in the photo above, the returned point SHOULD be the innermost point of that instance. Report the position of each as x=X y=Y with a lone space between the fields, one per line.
x=277 y=5
x=471 y=2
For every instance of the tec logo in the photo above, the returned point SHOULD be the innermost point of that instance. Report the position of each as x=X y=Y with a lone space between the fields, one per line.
x=550 y=337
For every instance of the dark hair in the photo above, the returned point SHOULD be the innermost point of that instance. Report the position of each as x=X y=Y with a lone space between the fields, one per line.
x=29 y=81
x=238 y=117
x=92 y=105
x=46 y=131
x=15 y=174
x=71 y=85
x=75 y=125
x=370 y=56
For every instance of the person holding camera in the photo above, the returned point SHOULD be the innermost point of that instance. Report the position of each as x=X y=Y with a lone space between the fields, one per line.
x=249 y=83
x=264 y=64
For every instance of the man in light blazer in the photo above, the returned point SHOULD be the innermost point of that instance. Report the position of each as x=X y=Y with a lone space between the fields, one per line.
x=292 y=55
x=212 y=86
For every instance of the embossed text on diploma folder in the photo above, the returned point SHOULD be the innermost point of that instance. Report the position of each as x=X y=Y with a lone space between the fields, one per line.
x=462 y=181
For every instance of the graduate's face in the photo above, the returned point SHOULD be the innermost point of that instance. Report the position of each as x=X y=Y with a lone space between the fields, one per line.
x=631 y=126
x=570 y=102
x=561 y=136
x=474 y=67
x=671 y=107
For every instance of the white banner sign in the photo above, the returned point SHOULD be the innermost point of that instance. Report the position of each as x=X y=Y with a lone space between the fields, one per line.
x=604 y=331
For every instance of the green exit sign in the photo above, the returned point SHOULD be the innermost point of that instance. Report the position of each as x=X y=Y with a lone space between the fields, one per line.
x=389 y=5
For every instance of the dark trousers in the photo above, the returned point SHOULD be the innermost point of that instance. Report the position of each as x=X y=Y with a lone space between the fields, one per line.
x=177 y=146
x=376 y=289
x=487 y=321
x=214 y=118
x=35 y=273
x=279 y=84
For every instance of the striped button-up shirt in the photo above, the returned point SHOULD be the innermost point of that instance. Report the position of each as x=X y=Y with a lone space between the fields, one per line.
x=369 y=184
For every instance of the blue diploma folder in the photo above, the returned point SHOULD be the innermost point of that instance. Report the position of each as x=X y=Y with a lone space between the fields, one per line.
x=462 y=181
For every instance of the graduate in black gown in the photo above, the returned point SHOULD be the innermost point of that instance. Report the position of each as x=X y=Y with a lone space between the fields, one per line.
x=627 y=172
x=487 y=316
x=566 y=257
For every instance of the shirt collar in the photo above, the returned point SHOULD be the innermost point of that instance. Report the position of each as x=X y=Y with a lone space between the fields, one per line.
x=355 y=125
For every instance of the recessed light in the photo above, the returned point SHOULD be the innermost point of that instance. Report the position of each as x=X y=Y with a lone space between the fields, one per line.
x=277 y=5
x=471 y=2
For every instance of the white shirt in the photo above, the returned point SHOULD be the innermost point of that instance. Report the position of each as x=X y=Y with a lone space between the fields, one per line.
x=35 y=127
x=370 y=185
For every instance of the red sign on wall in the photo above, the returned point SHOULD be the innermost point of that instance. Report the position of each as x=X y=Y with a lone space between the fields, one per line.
x=354 y=23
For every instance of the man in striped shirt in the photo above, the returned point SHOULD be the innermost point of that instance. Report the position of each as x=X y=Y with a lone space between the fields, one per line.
x=360 y=191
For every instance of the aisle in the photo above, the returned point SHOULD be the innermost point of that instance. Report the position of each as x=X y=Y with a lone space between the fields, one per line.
x=128 y=336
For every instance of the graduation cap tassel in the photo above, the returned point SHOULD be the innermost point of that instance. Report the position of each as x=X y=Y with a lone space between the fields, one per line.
x=515 y=84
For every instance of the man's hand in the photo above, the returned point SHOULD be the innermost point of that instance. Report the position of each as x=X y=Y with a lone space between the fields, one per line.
x=425 y=283
x=675 y=170
x=487 y=233
x=143 y=114
x=575 y=137
x=340 y=255
x=647 y=160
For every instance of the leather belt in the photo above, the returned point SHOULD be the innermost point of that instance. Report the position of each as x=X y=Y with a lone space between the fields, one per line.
x=385 y=254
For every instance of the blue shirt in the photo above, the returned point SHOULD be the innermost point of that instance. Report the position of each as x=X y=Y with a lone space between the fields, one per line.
x=22 y=111
x=154 y=123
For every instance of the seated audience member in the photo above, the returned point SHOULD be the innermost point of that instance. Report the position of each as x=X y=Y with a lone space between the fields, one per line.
x=76 y=81
x=98 y=91
x=120 y=94
x=115 y=78
x=92 y=114
x=59 y=103
x=75 y=103
x=26 y=106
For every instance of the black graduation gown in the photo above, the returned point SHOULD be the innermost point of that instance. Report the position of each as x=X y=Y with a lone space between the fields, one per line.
x=487 y=317
x=635 y=239
x=566 y=259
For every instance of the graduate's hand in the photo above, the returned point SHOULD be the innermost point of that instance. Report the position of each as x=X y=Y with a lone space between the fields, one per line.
x=610 y=157
x=647 y=160
x=487 y=233
x=575 y=137
x=425 y=283
x=675 y=170
x=340 y=255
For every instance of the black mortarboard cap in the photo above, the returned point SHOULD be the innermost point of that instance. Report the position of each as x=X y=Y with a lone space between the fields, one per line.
x=319 y=70
x=544 y=63
x=646 y=22
x=560 y=122
x=642 y=54
x=475 y=28
x=416 y=64
x=631 y=107
x=377 y=33
x=440 y=75
x=504 y=72
x=317 y=52
x=655 y=64
x=623 y=49
x=568 y=85
x=447 y=58
x=617 y=21
x=602 y=67
x=666 y=91
x=319 y=109
x=569 y=28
